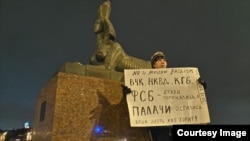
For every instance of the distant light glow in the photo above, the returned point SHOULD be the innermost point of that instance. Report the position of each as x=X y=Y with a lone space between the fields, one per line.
x=26 y=124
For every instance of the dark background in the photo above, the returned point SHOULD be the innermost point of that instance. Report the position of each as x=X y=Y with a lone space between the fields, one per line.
x=38 y=36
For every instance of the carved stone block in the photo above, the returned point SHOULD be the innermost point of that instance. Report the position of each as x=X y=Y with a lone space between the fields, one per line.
x=91 y=70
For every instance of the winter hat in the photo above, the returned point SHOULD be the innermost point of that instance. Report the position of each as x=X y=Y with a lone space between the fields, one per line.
x=156 y=56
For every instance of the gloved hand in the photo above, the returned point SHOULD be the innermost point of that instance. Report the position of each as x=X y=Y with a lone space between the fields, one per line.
x=202 y=82
x=125 y=89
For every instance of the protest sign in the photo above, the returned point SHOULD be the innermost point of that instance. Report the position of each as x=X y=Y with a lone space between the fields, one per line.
x=162 y=97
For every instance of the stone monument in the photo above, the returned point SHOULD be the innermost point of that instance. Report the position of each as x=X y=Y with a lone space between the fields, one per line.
x=86 y=102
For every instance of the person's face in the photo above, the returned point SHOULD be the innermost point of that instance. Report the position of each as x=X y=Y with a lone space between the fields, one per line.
x=160 y=63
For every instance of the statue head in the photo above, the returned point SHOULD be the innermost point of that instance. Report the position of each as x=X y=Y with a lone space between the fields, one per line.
x=103 y=24
x=104 y=10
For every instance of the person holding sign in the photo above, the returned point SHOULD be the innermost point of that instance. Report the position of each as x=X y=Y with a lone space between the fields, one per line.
x=158 y=61
x=158 y=132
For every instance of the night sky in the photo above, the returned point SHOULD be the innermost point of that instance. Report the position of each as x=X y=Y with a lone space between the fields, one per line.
x=38 y=36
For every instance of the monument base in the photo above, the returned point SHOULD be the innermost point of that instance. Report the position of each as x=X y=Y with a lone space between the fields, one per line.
x=91 y=70
x=72 y=107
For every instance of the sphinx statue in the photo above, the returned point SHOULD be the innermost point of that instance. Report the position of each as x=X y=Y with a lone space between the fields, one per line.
x=110 y=53
x=86 y=102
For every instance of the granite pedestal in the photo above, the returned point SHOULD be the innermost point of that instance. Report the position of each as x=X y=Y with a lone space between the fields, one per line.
x=76 y=107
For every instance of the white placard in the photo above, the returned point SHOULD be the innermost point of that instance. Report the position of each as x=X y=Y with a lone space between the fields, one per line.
x=162 y=97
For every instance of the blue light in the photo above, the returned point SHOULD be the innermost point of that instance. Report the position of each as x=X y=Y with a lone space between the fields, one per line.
x=26 y=124
x=98 y=129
